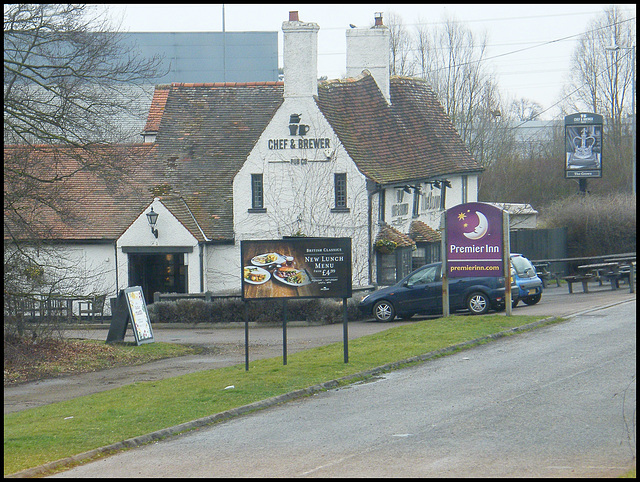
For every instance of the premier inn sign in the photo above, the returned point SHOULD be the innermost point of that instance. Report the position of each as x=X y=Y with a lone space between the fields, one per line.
x=474 y=241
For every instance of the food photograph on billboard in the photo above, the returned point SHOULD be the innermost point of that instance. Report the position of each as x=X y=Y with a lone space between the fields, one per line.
x=296 y=268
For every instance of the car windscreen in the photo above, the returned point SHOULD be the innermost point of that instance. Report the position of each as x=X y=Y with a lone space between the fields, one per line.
x=523 y=266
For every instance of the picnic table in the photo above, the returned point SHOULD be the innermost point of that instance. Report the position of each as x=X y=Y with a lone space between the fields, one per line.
x=60 y=307
x=611 y=270
x=627 y=268
x=583 y=278
x=542 y=270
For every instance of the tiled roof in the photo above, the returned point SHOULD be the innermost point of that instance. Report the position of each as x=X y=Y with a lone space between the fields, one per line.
x=410 y=139
x=204 y=138
x=157 y=108
x=423 y=233
x=80 y=204
x=205 y=133
x=390 y=233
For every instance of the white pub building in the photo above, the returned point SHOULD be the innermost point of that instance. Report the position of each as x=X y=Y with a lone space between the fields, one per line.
x=370 y=157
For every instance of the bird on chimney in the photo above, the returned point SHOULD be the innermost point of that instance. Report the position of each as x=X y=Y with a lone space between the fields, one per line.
x=352 y=25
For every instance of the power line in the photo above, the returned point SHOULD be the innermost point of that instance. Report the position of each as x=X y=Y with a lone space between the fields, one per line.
x=549 y=42
x=577 y=89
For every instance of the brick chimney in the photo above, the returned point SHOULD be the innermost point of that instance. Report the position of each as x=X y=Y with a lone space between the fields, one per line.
x=300 y=52
x=368 y=48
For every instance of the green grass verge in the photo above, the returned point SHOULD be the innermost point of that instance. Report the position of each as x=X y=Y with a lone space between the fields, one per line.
x=45 y=434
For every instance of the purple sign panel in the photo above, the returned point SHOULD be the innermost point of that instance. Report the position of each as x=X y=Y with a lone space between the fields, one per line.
x=474 y=241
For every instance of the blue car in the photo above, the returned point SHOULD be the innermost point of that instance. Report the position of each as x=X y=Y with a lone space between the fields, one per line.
x=529 y=284
x=421 y=292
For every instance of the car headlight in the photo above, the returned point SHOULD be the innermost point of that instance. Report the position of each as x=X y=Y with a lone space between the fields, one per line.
x=362 y=300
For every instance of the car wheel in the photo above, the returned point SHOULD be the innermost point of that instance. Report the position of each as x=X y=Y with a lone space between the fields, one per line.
x=478 y=303
x=514 y=303
x=384 y=311
x=532 y=300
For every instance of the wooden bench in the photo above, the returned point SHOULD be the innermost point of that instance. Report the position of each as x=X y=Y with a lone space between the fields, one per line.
x=30 y=309
x=545 y=275
x=584 y=279
x=91 y=307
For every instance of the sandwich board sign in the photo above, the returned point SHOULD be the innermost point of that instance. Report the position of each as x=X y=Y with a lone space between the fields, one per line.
x=130 y=307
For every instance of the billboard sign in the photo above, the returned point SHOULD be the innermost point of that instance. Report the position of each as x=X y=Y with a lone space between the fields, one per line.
x=296 y=268
x=474 y=240
x=583 y=145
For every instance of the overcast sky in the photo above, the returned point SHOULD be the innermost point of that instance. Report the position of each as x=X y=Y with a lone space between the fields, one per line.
x=530 y=46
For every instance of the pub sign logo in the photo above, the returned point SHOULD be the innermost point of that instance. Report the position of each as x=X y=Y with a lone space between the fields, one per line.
x=583 y=145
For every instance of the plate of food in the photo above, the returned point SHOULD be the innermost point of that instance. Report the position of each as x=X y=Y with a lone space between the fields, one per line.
x=291 y=276
x=267 y=259
x=255 y=275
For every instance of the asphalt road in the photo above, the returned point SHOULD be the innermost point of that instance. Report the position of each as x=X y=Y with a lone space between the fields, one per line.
x=554 y=402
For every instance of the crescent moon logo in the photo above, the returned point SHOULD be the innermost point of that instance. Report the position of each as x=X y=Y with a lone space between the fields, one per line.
x=481 y=229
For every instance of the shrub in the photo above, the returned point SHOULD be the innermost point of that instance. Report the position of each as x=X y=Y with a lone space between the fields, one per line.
x=596 y=225
x=226 y=310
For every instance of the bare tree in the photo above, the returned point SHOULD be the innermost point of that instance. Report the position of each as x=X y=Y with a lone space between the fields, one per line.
x=69 y=82
x=452 y=59
x=401 y=43
x=601 y=82
x=525 y=110
x=68 y=77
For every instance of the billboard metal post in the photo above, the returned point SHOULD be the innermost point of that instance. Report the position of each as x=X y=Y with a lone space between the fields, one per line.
x=284 y=331
x=345 y=330
x=246 y=336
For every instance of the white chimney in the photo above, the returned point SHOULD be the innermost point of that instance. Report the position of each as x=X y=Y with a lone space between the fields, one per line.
x=370 y=49
x=300 y=48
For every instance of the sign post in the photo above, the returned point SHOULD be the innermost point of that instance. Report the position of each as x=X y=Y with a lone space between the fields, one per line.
x=445 y=279
x=583 y=147
x=506 y=241
x=476 y=244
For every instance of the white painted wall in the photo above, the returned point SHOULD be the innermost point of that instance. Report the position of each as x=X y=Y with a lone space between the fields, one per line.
x=400 y=217
x=171 y=232
x=368 y=48
x=78 y=269
x=299 y=188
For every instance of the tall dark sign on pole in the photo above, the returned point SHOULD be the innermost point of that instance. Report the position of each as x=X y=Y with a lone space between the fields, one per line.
x=583 y=147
